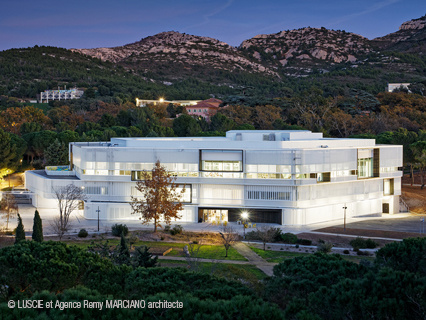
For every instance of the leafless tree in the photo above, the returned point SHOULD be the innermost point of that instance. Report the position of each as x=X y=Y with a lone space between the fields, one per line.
x=192 y=253
x=68 y=198
x=8 y=207
x=229 y=236
x=266 y=234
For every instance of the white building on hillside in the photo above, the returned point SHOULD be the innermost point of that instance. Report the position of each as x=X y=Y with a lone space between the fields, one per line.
x=49 y=95
x=284 y=177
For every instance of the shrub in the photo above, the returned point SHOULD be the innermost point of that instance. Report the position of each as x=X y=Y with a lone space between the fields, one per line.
x=358 y=243
x=371 y=244
x=166 y=228
x=177 y=229
x=83 y=233
x=253 y=235
x=346 y=251
x=289 y=238
x=118 y=229
x=362 y=253
x=325 y=247
x=304 y=242
x=361 y=243
x=277 y=234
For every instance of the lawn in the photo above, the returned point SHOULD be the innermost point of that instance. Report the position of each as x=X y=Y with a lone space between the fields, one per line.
x=157 y=247
x=243 y=272
x=279 y=256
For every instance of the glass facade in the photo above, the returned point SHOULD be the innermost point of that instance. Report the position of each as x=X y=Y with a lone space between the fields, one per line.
x=225 y=166
x=365 y=168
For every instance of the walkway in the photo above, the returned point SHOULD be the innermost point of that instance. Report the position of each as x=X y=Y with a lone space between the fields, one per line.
x=254 y=259
x=204 y=260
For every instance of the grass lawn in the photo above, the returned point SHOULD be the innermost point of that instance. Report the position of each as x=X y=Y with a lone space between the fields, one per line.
x=279 y=256
x=230 y=271
x=157 y=247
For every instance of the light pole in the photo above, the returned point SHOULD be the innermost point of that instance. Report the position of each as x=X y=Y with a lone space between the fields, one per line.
x=98 y=217
x=344 y=217
x=244 y=216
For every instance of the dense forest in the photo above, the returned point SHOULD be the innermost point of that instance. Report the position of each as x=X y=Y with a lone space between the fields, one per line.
x=39 y=134
x=318 y=286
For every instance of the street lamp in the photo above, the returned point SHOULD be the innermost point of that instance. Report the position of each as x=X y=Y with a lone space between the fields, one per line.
x=244 y=216
x=344 y=219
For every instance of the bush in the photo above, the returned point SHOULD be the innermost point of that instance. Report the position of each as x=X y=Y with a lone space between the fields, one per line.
x=346 y=251
x=325 y=247
x=304 y=242
x=118 y=229
x=253 y=235
x=177 y=229
x=289 y=238
x=83 y=233
x=371 y=244
x=277 y=234
x=166 y=228
x=361 y=243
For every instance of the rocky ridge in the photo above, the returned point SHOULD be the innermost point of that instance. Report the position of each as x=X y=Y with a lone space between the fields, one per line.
x=411 y=38
x=307 y=45
x=173 y=55
x=182 y=48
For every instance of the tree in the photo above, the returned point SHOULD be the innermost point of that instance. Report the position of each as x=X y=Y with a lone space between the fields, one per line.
x=56 y=154
x=20 y=231
x=160 y=197
x=229 y=236
x=266 y=234
x=419 y=154
x=7 y=153
x=143 y=258
x=186 y=126
x=8 y=207
x=68 y=198
x=122 y=253
x=37 y=228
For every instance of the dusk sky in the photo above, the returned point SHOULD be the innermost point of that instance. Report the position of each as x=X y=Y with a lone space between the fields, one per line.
x=108 y=23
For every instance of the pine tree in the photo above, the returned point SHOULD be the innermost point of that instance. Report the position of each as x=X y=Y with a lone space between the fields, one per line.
x=143 y=258
x=56 y=154
x=37 y=228
x=20 y=232
x=122 y=254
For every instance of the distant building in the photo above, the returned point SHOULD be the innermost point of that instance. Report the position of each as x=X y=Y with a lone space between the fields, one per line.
x=145 y=102
x=65 y=94
x=393 y=86
x=206 y=108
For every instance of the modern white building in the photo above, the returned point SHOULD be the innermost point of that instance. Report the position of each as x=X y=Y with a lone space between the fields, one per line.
x=60 y=94
x=284 y=177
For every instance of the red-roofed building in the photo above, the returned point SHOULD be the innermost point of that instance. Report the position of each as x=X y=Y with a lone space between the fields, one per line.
x=206 y=108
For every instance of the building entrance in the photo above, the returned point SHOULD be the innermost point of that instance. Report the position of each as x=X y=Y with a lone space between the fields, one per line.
x=214 y=216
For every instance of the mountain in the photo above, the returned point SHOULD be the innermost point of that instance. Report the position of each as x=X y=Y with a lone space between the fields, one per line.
x=410 y=38
x=174 y=51
x=306 y=47
x=183 y=66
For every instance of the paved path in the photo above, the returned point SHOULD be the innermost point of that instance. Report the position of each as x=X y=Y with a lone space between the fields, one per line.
x=254 y=258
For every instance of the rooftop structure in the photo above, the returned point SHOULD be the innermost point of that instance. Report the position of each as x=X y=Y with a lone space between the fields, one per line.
x=283 y=177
